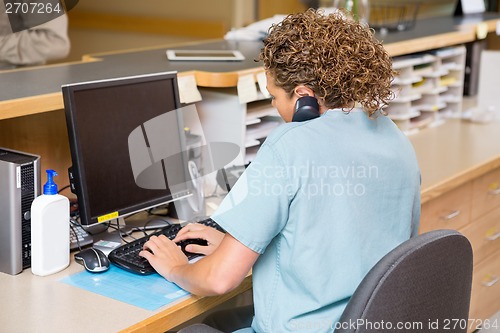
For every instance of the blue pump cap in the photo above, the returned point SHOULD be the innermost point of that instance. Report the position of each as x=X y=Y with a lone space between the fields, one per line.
x=50 y=187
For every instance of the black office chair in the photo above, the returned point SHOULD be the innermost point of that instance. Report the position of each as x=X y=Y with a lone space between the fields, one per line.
x=423 y=285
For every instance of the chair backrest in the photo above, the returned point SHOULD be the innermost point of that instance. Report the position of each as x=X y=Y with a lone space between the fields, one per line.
x=423 y=285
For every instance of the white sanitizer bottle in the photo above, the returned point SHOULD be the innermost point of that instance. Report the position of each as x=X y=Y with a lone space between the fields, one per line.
x=49 y=230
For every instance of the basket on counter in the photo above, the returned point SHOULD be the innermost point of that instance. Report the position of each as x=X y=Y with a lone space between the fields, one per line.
x=389 y=16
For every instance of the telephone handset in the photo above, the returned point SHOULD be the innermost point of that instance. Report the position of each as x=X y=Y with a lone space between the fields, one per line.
x=306 y=108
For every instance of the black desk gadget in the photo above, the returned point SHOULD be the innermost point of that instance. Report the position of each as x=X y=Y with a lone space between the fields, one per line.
x=127 y=256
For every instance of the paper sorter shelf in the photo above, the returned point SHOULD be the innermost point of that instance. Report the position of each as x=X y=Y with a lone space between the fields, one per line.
x=262 y=129
x=435 y=74
x=449 y=52
x=260 y=109
x=452 y=66
x=411 y=60
x=430 y=107
x=424 y=120
x=450 y=98
x=252 y=143
x=447 y=81
x=406 y=99
x=435 y=91
x=406 y=80
x=411 y=114
x=252 y=121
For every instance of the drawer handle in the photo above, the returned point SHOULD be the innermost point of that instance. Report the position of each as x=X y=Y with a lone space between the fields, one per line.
x=493 y=280
x=452 y=215
x=493 y=237
x=495 y=191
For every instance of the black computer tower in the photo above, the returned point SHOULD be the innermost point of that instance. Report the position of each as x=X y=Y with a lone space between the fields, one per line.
x=19 y=186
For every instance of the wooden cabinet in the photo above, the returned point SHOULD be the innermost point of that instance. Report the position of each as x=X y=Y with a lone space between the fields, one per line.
x=485 y=298
x=449 y=211
x=474 y=209
x=484 y=235
x=486 y=193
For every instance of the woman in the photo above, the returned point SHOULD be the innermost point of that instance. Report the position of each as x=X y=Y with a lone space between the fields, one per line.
x=324 y=199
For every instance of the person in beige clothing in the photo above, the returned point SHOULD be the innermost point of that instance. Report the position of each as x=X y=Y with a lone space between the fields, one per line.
x=35 y=45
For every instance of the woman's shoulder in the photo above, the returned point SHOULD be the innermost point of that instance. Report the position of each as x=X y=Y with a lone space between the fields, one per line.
x=285 y=131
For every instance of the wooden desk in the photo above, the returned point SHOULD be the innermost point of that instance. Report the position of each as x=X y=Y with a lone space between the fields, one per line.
x=449 y=156
x=43 y=304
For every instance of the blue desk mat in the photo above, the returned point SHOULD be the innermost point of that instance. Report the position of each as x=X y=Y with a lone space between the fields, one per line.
x=145 y=291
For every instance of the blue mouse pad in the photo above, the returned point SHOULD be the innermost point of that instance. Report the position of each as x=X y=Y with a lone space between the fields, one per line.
x=146 y=291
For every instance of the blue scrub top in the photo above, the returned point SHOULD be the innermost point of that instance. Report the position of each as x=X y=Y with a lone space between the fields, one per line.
x=322 y=202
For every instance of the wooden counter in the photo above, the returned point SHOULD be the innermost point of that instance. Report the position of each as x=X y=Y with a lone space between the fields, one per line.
x=455 y=153
x=34 y=90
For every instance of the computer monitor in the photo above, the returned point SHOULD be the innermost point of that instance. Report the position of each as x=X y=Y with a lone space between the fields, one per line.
x=101 y=116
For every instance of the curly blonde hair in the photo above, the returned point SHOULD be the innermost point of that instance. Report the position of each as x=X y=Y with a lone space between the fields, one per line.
x=338 y=58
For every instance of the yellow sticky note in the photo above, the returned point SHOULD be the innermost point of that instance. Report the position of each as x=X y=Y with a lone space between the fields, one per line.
x=482 y=30
x=107 y=217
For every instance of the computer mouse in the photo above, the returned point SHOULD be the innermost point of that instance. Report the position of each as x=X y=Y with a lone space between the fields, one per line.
x=94 y=260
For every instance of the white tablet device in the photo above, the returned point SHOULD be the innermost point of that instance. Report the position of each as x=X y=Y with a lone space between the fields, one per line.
x=205 y=55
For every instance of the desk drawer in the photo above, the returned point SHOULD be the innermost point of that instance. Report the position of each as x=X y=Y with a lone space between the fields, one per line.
x=486 y=193
x=449 y=211
x=484 y=235
x=485 y=299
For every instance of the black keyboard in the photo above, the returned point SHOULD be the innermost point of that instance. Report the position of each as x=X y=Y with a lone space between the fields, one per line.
x=127 y=256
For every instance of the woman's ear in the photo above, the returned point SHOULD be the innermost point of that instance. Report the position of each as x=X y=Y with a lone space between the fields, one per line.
x=302 y=91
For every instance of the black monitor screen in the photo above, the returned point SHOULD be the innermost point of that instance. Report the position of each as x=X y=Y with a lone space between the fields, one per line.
x=101 y=115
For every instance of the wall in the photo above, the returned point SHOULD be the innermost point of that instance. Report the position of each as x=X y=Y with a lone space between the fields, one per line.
x=226 y=13
x=190 y=9
x=268 y=8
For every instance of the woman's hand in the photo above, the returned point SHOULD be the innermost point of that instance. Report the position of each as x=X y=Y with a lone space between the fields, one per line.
x=163 y=254
x=197 y=230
